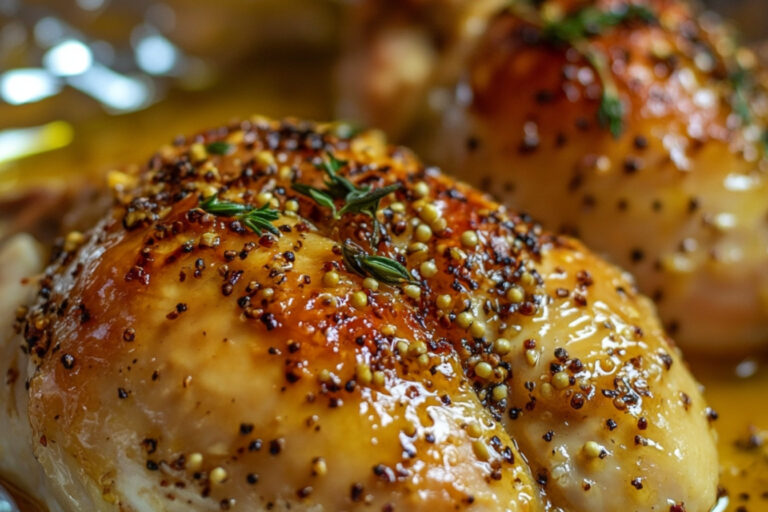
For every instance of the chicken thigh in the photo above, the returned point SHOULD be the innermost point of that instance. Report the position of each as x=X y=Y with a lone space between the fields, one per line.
x=639 y=127
x=275 y=317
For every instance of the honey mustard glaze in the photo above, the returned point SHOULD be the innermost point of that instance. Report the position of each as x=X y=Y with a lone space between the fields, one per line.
x=742 y=428
x=514 y=368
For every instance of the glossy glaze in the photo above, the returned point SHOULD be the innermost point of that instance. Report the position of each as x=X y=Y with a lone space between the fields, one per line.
x=158 y=366
x=678 y=198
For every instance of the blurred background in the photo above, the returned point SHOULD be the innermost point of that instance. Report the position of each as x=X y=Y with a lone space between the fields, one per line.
x=86 y=84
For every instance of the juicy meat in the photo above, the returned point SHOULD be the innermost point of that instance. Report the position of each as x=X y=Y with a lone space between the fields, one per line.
x=448 y=355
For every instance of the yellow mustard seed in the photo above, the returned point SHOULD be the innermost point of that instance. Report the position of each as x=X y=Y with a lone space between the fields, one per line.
x=502 y=346
x=417 y=247
x=560 y=380
x=292 y=206
x=477 y=329
x=439 y=225
x=388 y=330
x=331 y=278
x=263 y=198
x=428 y=269
x=285 y=173
x=397 y=207
x=499 y=393
x=421 y=189
x=474 y=430
x=417 y=348
x=423 y=360
x=217 y=475
x=444 y=301
x=469 y=238
x=531 y=357
x=458 y=254
x=515 y=294
x=117 y=179
x=197 y=152
x=319 y=467
x=267 y=293
x=592 y=449
x=265 y=158
x=464 y=319
x=370 y=283
x=429 y=213
x=363 y=374
x=422 y=233
x=379 y=379
x=359 y=299
x=481 y=450
x=194 y=461
x=527 y=279
x=412 y=291
x=483 y=370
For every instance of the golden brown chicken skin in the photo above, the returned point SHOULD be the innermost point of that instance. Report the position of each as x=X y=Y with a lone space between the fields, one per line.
x=639 y=128
x=448 y=356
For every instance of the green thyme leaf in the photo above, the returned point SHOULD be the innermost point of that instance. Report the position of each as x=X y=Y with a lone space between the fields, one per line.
x=216 y=206
x=576 y=29
x=592 y=21
x=611 y=114
x=320 y=197
x=356 y=199
x=255 y=219
x=367 y=201
x=220 y=148
x=261 y=220
x=741 y=83
x=331 y=164
x=381 y=268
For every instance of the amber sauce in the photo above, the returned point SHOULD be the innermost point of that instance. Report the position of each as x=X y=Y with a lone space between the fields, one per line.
x=742 y=405
x=302 y=90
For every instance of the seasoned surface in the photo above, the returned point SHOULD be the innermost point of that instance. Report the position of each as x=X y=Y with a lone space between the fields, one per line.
x=676 y=194
x=181 y=358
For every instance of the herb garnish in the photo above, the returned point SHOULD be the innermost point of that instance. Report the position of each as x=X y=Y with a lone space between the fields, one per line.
x=742 y=85
x=356 y=199
x=256 y=219
x=576 y=29
x=591 y=21
x=220 y=148
x=610 y=113
x=380 y=268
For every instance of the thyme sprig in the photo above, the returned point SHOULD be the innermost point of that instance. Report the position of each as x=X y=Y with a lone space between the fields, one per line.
x=356 y=199
x=255 y=219
x=610 y=113
x=742 y=85
x=220 y=147
x=381 y=268
x=576 y=29
x=591 y=21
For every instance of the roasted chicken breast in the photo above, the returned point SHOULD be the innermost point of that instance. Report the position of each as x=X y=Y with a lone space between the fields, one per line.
x=275 y=317
x=639 y=127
